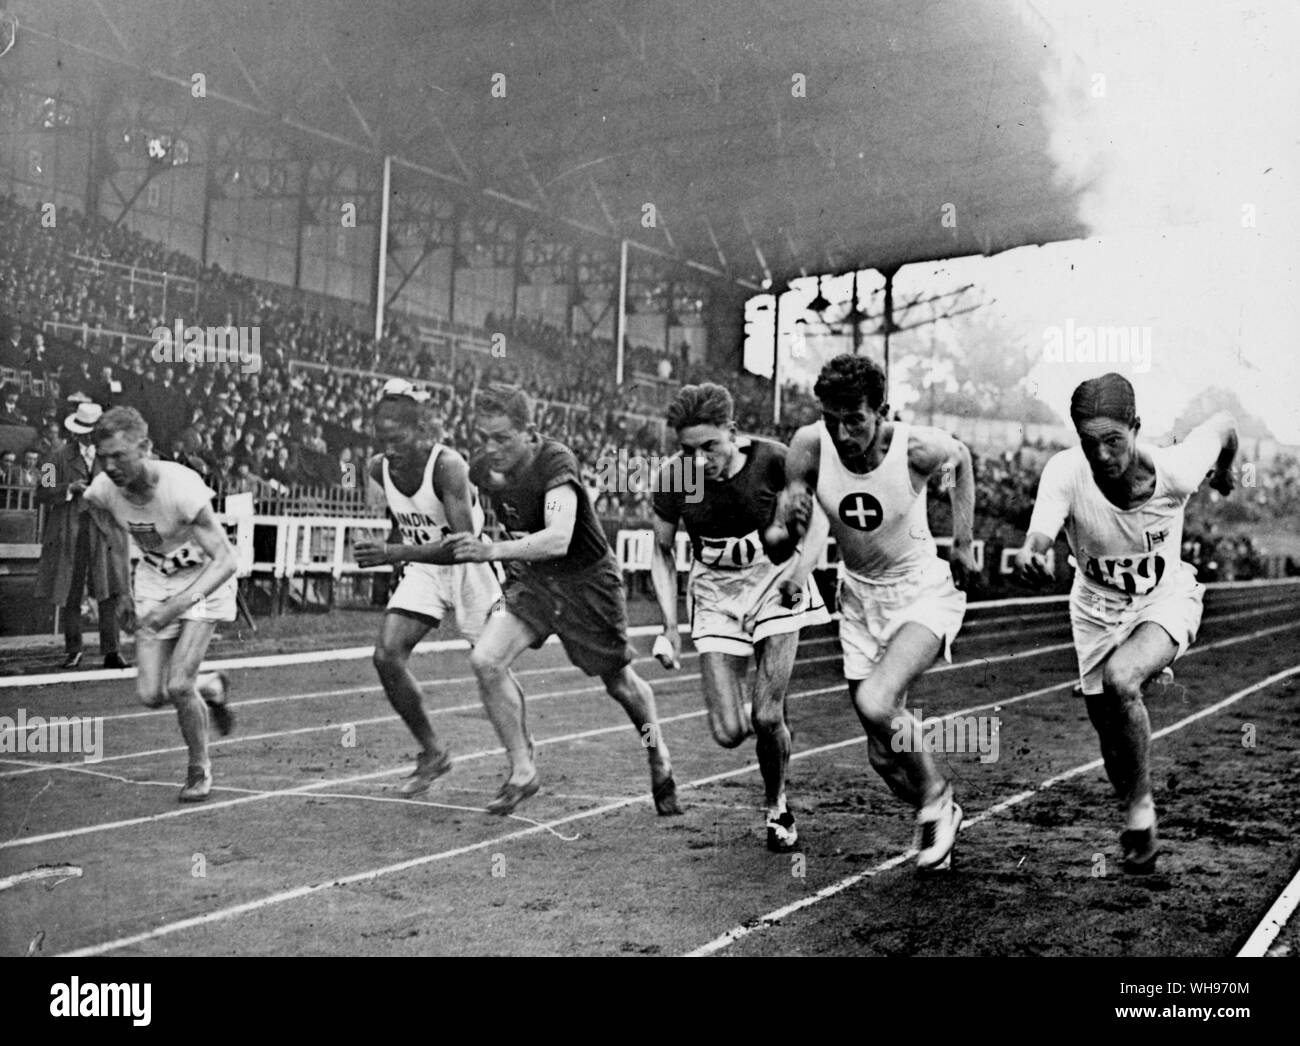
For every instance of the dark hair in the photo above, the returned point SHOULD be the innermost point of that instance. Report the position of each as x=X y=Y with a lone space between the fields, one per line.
x=706 y=404
x=851 y=379
x=508 y=400
x=1110 y=396
x=405 y=409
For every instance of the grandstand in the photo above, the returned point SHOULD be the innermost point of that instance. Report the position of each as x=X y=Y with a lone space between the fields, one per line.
x=581 y=199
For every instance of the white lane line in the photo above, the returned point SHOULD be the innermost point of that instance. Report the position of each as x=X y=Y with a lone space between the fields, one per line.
x=170 y=712
x=772 y=918
x=1275 y=918
x=303 y=891
x=307 y=789
x=37 y=766
x=435 y=646
x=549 y=826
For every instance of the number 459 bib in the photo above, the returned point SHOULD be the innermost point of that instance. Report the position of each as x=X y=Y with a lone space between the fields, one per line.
x=1132 y=575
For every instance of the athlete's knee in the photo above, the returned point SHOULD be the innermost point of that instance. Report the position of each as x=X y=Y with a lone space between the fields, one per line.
x=728 y=735
x=154 y=696
x=389 y=658
x=487 y=666
x=878 y=712
x=769 y=719
x=1122 y=682
x=180 y=690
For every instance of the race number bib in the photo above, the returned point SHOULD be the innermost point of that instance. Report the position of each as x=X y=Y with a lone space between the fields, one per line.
x=423 y=535
x=184 y=558
x=730 y=553
x=1132 y=575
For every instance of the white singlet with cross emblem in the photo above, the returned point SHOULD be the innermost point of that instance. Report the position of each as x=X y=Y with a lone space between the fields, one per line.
x=878 y=520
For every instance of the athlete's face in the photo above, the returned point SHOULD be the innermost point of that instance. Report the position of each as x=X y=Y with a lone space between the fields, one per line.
x=398 y=438
x=123 y=457
x=1109 y=446
x=711 y=447
x=852 y=426
x=504 y=446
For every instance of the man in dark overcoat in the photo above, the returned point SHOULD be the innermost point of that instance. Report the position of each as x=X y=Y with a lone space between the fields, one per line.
x=82 y=546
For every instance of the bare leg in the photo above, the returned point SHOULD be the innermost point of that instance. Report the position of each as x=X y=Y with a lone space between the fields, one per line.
x=776 y=656
x=881 y=704
x=1126 y=728
x=190 y=649
x=504 y=638
x=638 y=701
x=723 y=676
x=397 y=638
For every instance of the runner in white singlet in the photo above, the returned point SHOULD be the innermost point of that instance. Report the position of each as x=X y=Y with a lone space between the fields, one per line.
x=1135 y=605
x=899 y=606
x=430 y=497
x=184 y=583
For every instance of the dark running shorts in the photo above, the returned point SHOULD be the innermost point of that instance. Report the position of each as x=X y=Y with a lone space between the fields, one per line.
x=587 y=610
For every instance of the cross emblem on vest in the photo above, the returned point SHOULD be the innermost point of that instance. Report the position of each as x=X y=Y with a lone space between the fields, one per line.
x=861 y=511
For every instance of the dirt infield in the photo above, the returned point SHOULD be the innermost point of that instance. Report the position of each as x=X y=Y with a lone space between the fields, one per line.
x=305 y=847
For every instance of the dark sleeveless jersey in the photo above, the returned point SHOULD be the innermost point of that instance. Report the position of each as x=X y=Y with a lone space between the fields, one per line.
x=520 y=507
x=726 y=523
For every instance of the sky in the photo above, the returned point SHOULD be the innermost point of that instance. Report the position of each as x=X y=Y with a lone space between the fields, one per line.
x=1188 y=150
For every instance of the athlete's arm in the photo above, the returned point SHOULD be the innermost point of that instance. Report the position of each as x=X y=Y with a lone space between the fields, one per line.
x=663 y=575
x=451 y=484
x=814 y=541
x=1051 y=508
x=794 y=505
x=560 y=516
x=209 y=535
x=1224 y=428
x=931 y=451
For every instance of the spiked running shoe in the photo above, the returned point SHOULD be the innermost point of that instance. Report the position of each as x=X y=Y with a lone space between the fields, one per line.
x=428 y=768
x=782 y=836
x=937 y=823
x=223 y=718
x=511 y=795
x=198 y=785
x=1140 y=849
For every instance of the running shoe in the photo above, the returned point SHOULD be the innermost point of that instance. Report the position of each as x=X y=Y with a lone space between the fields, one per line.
x=198 y=785
x=223 y=717
x=782 y=836
x=938 y=822
x=428 y=768
x=1140 y=848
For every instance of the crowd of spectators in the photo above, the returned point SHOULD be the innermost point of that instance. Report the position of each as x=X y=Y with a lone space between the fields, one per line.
x=287 y=426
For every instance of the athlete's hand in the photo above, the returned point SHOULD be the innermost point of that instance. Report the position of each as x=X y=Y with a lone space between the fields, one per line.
x=77 y=487
x=791 y=592
x=799 y=514
x=1222 y=480
x=371 y=553
x=965 y=574
x=466 y=548
x=1032 y=566
x=668 y=649
x=157 y=618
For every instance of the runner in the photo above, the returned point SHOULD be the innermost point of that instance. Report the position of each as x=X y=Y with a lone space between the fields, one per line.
x=184 y=583
x=1135 y=606
x=899 y=606
x=429 y=495
x=724 y=489
x=562 y=578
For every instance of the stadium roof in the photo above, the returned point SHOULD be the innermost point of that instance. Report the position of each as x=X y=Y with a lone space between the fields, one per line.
x=689 y=106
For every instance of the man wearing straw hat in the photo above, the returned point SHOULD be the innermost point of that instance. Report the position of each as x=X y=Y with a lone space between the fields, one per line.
x=83 y=548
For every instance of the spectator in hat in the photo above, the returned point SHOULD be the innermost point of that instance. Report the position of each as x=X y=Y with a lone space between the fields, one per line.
x=9 y=412
x=83 y=547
